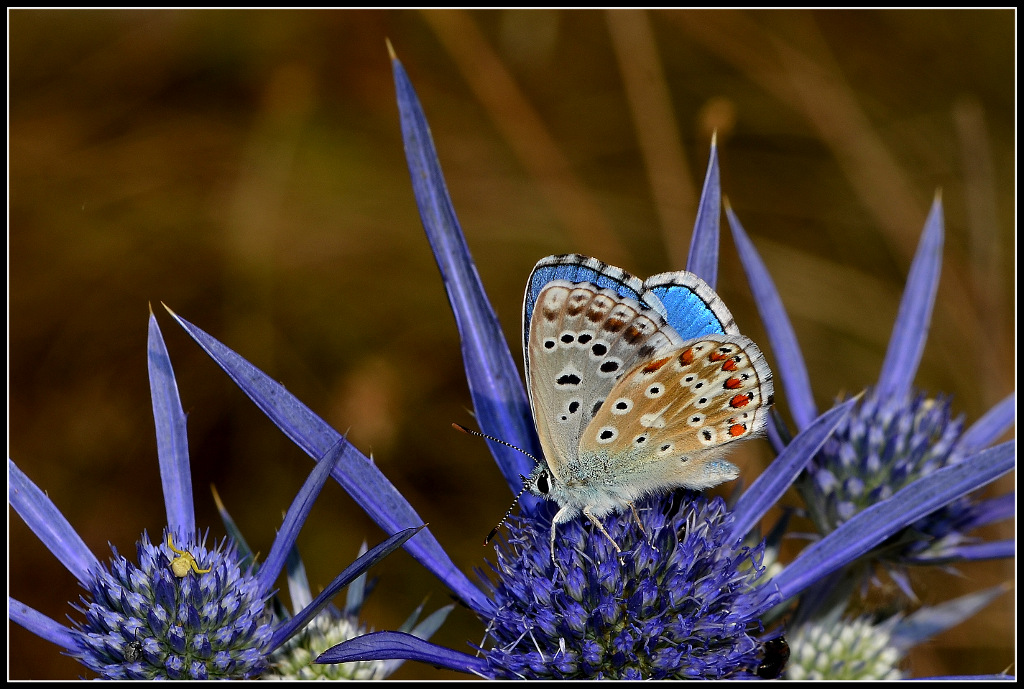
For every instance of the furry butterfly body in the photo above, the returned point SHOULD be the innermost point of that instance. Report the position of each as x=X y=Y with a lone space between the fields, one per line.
x=635 y=386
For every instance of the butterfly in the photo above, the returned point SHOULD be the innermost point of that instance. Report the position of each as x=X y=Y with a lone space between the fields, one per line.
x=635 y=386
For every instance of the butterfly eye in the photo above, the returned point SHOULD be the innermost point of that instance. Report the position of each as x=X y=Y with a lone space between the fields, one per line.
x=542 y=483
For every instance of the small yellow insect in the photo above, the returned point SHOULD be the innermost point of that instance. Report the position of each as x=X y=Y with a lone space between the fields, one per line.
x=184 y=562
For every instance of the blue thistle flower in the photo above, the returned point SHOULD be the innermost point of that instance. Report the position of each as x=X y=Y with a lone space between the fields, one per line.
x=895 y=434
x=676 y=606
x=180 y=610
x=687 y=573
x=895 y=437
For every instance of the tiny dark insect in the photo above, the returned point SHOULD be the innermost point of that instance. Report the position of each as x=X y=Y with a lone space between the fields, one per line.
x=133 y=649
x=776 y=653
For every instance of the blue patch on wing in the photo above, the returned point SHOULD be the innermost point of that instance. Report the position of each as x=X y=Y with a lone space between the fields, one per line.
x=689 y=305
x=576 y=268
x=688 y=313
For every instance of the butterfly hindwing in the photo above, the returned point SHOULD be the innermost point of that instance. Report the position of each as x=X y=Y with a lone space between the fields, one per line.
x=665 y=421
x=691 y=306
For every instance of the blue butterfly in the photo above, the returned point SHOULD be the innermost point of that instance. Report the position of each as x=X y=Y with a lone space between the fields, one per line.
x=635 y=386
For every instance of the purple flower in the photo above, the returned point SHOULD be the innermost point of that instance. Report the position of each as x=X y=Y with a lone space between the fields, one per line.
x=180 y=609
x=694 y=605
x=894 y=438
x=895 y=434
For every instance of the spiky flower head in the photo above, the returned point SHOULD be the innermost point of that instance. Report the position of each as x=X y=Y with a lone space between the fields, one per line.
x=886 y=443
x=184 y=611
x=197 y=615
x=677 y=603
x=294 y=660
x=845 y=650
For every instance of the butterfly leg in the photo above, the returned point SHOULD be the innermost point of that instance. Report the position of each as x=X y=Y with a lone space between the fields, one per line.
x=636 y=516
x=563 y=515
x=641 y=525
x=599 y=525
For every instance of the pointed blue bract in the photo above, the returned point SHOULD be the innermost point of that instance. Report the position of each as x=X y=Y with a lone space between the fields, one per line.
x=926 y=622
x=357 y=475
x=354 y=570
x=500 y=402
x=41 y=625
x=48 y=524
x=790 y=369
x=871 y=526
x=171 y=436
x=910 y=331
x=387 y=645
x=703 y=259
x=295 y=517
x=764 y=492
x=989 y=427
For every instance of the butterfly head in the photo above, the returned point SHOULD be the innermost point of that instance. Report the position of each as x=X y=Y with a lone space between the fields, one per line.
x=544 y=483
x=540 y=482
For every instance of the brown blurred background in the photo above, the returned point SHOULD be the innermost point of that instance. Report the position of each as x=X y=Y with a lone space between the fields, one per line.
x=246 y=168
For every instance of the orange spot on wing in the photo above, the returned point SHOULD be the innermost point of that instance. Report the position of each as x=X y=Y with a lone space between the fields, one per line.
x=729 y=365
x=686 y=356
x=740 y=401
x=655 y=365
x=719 y=355
x=737 y=429
x=633 y=334
x=733 y=383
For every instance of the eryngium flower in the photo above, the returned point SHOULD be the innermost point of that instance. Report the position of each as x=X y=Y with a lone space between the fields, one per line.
x=678 y=603
x=883 y=445
x=844 y=650
x=895 y=434
x=182 y=610
x=294 y=660
x=142 y=618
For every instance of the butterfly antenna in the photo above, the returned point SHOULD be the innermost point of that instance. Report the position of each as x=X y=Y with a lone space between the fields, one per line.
x=507 y=514
x=469 y=431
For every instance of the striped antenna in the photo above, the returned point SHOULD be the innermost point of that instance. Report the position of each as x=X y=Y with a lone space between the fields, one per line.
x=508 y=514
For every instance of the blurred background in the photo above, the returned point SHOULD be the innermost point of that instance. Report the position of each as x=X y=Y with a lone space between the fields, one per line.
x=246 y=168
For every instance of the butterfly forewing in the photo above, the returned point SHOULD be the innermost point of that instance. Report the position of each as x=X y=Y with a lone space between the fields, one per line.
x=666 y=416
x=581 y=340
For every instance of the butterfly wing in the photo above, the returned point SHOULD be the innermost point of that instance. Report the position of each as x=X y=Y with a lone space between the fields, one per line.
x=691 y=306
x=688 y=303
x=666 y=419
x=580 y=341
x=577 y=268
